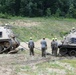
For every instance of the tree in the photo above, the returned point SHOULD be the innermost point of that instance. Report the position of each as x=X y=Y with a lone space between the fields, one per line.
x=58 y=12
x=32 y=8
x=10 y=7
x=2 y=6
x=29 y=9
x=48 y=12
x=17 y=7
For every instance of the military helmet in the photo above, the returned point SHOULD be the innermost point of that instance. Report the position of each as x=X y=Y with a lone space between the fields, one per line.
x=6 y=24
x=30 y=37
x=73 y=28
x=52 y=38
x=55 y=38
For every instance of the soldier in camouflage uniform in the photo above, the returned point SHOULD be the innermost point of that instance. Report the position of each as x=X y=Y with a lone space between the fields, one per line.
x=31 y=46
x=43 y=47
x=54 y=46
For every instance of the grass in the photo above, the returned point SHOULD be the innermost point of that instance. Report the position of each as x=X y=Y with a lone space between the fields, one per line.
x=49 y=65
x=42 y=69
x=46 y=27
x=71 y=62
x=48 y=68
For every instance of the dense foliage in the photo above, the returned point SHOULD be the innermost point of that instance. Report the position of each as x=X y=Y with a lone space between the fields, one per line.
x=35 y=8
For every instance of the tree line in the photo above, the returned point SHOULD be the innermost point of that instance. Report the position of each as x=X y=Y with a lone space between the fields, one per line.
x=39 y=8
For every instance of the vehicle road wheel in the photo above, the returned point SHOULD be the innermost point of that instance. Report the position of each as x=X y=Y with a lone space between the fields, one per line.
x=72 y=53
x=62 y=51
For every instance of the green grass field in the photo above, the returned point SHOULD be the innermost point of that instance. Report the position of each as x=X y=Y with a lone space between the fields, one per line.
x=46 y=27
x=41 y=27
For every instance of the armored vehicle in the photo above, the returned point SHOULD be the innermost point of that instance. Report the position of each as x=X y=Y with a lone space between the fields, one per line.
x=68 y=45
x=8 y=41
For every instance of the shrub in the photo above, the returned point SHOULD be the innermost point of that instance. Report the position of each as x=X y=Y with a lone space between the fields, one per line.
x=74 y=13
x=63 y=33
x=5 y=16
x=48 y=12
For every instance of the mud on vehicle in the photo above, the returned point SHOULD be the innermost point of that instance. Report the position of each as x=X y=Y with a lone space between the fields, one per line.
x=8 y=41
x=68 y=45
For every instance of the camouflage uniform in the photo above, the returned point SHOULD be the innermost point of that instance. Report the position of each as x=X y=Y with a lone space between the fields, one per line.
x=54 y=46
x=31 y=47
x=43 y=47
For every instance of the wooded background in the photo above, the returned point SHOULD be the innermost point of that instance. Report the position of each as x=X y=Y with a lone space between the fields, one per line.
x=38 y=8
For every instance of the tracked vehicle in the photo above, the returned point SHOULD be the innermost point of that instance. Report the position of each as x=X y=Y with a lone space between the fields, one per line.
x=68 y=45
x=8 y=41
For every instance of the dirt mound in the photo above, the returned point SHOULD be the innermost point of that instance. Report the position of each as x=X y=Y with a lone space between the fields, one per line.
x=20 y=23
x=37 y=44
x=24 y=23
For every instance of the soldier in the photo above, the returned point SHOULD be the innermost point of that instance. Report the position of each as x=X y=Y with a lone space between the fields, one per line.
x=73 y=30
x=54 y=46
x=31 y=46
x=43 y=47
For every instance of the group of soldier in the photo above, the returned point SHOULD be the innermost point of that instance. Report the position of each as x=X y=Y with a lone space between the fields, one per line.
x=54 y=46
